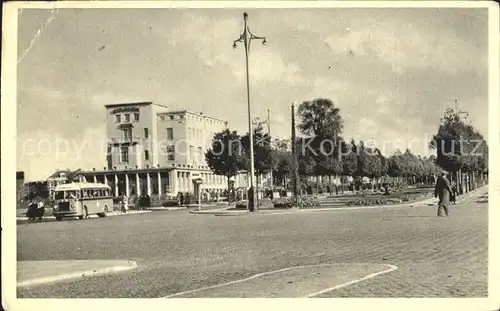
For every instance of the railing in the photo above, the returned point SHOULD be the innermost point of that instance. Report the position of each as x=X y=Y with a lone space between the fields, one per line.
x=118 y=140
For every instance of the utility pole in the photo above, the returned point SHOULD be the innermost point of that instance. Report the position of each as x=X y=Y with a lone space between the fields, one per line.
x=246 y=37
x=461 y=180
x=295 y=175
x=270 y=145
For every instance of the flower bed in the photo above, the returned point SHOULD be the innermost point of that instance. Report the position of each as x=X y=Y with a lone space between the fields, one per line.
x=283 y=203
x=308 y=202
x=404 y=198
x=303 y=202
x=370 y=202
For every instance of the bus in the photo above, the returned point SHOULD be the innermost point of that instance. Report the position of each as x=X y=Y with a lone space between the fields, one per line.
x=81 y=200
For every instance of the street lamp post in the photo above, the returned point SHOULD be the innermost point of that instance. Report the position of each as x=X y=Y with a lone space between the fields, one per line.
x=246 y=37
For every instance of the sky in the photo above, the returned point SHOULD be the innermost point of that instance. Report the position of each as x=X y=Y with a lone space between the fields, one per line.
x=392 y=72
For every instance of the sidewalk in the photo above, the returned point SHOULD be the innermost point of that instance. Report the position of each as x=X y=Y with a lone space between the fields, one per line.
x=110 y=214
x=426 y=202
x=161 y=208
x=30 y=273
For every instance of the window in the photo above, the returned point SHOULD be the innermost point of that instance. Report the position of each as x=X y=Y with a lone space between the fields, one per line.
x=171 y=153
x=136 y=117
x=181 y=117
x=171 y=117
x=118 y=118
x=191 y=153
x=146 y=132
x=127 y=117
x=200 y=155
x=146 y=155
x=170 y=133
x=124 y=154
x=127 y=134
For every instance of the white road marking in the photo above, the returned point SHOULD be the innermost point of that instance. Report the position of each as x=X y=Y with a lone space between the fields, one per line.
x=391 y=268
x=369 y=276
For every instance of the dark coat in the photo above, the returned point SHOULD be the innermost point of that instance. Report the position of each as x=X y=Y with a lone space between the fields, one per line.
x=443 y=191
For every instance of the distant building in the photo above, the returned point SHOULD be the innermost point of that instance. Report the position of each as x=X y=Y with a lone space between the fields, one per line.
x=61 y=177
x=156 y=151
x=19 y=186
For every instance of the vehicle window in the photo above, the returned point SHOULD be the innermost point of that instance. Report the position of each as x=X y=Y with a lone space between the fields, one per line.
x=59 y=195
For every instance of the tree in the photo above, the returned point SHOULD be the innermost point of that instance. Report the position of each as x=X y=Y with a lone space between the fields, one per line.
x=224 y=155
x=396 y=165
x=459 y=148
x=281 y=161
x=321 y=123
x=37 y=189
x=263 y=161
x=377 y=164
x=349 y=158
x=320 y=118
x=412 y=167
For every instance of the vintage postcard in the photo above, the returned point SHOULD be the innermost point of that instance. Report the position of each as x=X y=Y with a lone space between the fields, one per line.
x=307 y=149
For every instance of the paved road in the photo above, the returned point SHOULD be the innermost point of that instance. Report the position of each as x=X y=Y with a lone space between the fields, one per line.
x=177 y=251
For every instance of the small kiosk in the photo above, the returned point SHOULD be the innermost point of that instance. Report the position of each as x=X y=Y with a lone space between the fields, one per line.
x=197 y=186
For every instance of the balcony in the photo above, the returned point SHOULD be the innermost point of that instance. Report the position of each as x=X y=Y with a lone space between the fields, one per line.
x=125 y=140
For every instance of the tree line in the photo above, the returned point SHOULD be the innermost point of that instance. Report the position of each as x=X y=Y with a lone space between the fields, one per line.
x=323 y=152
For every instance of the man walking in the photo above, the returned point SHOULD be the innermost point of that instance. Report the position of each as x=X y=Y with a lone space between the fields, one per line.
x=443 y=191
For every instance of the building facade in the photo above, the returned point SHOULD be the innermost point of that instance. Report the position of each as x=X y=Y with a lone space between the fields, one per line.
x=19 y=186
x=154 y=151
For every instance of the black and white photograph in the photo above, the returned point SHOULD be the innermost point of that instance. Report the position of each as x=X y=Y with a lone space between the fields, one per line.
x=301 y=149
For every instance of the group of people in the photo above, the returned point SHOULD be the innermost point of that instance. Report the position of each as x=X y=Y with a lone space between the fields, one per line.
x=446 y=192
x=36 y=209
x=183 y=199
x=143 y=201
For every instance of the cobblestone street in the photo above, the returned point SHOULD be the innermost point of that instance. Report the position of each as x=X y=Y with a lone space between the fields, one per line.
x=177 y=251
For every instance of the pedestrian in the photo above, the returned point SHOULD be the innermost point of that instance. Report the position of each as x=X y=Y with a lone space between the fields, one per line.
x=148 y=201
x=208 y=196
x=454 y=193
x=187 y=199
x=32 y=210
x=180 y=197
x=124 y=203
x=443 y=191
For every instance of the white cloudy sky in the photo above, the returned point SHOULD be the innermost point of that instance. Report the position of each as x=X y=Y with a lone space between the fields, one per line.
x=392 y=72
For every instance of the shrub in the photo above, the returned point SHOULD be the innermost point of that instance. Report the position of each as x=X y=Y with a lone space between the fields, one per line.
x=307 y=201
x=369 y=202
x=283 y=203
x=242 y=204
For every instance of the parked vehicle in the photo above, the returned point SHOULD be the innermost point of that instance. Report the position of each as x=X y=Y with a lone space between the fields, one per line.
x=81 y=200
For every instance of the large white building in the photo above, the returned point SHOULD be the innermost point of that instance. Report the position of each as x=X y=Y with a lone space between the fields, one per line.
x=156 y=151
